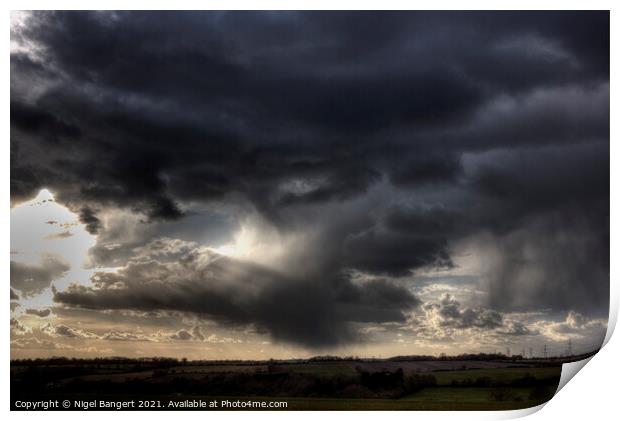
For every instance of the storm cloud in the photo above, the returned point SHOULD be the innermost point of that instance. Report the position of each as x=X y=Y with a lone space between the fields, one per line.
x=450 y=314
x=33 y=278
x=312 y=312
x=359 y=149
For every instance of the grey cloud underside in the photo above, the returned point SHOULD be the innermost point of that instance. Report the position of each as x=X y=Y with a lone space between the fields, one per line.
x=34 y=278
x=452 y=315
x=310 y=312
x=393 y=135
x=39 y=312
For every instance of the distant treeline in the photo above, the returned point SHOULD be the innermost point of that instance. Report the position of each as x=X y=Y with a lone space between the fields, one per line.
x=162 y=362
x=103 y=361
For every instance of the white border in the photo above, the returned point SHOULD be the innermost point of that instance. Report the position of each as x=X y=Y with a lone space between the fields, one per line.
x=592 y=393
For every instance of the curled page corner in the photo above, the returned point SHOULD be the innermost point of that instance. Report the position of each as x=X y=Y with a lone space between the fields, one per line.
x=613 y=313
x=518 y=413
x=569 y=370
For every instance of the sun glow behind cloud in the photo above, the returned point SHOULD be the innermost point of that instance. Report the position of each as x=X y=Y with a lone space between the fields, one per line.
x=261 y=244
x=245 y=244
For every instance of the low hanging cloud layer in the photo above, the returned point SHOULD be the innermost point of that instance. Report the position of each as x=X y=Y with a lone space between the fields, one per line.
x=34 y=278
x=295 y=172
x=313 y=312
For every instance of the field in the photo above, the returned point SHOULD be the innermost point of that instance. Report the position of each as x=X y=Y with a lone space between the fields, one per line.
x=305 y=385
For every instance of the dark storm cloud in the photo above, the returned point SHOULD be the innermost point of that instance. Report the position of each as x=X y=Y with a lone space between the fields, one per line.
x=427 y=168
x=222 y=113
x=549 y=212
x=316 y=312
x=451 y=314
x=33 y=120
x=34 y=278
x=88 y=217
x=341 y=185
x=393 y=135
x=393 y=253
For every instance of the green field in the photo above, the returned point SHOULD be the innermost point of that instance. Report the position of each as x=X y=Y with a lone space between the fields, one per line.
x=304 y=386
x=501 y=374
x=403 y=405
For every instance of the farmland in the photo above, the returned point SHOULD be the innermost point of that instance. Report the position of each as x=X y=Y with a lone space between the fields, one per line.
x=339 y=384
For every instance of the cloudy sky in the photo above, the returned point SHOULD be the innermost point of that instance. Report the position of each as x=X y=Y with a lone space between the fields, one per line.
x=257 y=185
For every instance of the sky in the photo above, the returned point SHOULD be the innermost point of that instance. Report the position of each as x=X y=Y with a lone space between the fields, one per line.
x=253 y=185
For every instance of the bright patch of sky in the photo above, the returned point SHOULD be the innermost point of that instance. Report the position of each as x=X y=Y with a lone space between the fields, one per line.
x=41 y=226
